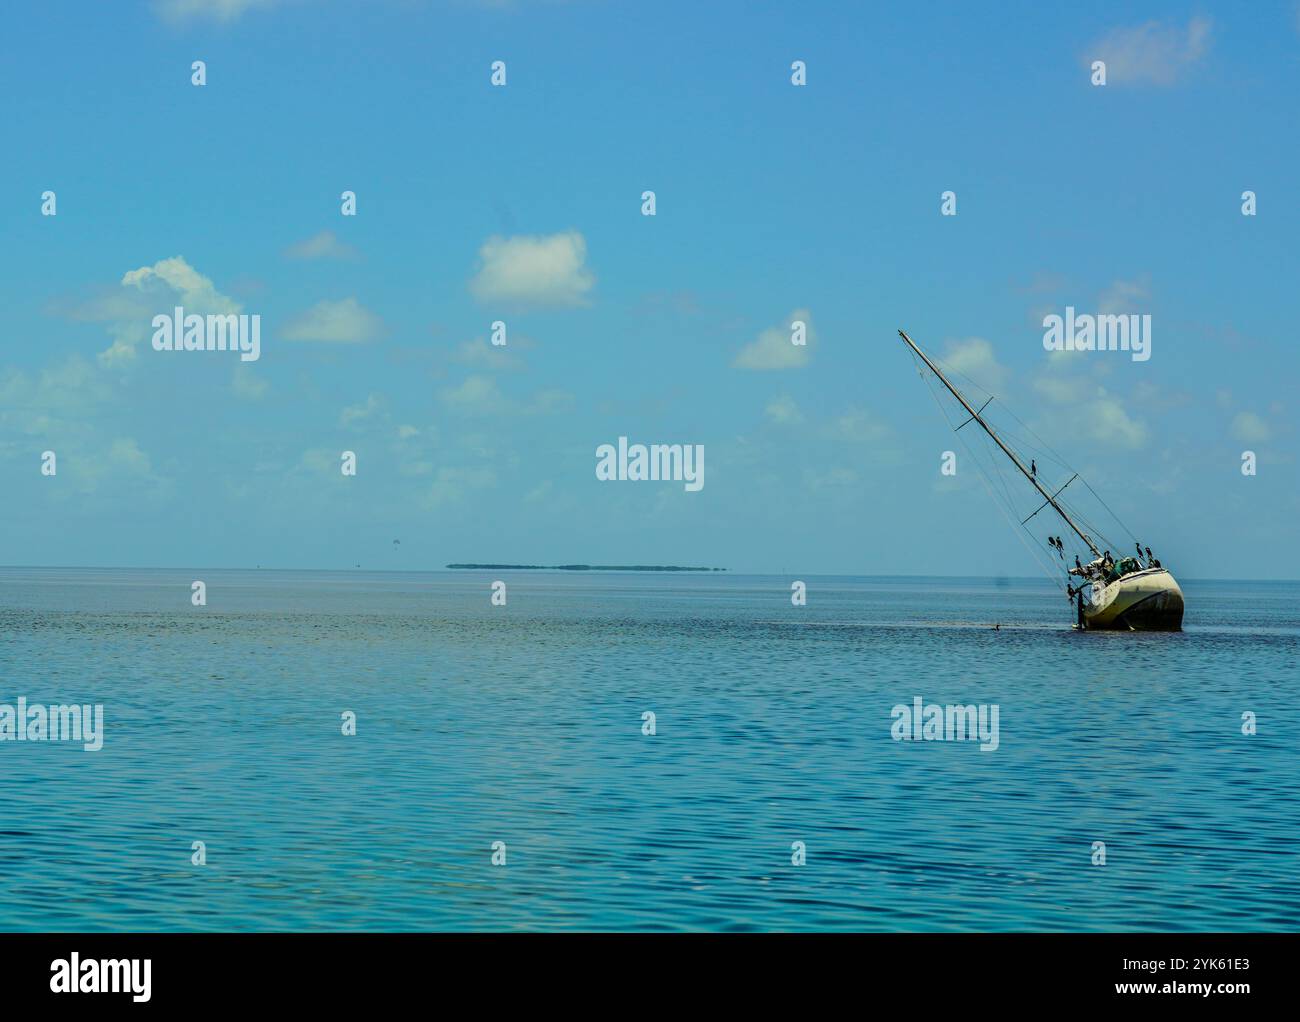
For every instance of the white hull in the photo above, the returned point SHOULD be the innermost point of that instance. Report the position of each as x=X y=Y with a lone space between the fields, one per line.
x=1145 y=601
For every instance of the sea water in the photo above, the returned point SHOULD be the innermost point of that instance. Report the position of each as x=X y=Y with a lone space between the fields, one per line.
x=226 y=795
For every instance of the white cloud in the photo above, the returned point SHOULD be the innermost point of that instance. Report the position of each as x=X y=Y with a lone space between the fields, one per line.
x=324 y=245
x=1106 y=421
x=480 y=395
x=361 y=412
x=1249 y=428
x=539 y=492
x=534 y=270
x=209 y=10
x=1124 y=297
x=974 y=359
x=454 y=483
x=61 y=400
x=479 y=354
x=477 y=395
x=247 y=384
x=1060 y=388
x=195 y=291
x=1068 y=377
x=144 y=293
x=319 y=463
x=1154 y=53
x=858 y=427
x=774 y=348
x=119 y=465
x=344 y=322
x=547 y=401
x=125 y=456
x=70 y=407
x=783 y=410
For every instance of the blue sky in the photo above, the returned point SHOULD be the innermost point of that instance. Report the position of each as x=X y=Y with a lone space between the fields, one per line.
x=523 y=204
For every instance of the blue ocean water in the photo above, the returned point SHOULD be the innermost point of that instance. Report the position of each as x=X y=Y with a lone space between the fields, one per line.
x=523 y=724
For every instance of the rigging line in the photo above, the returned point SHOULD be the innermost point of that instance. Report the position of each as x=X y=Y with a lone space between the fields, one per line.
x=1051 y=568
x=1045 y=454
x=1099 y=534
x=1048 y=449
x=1054 y=496
x=1109 y=510
x=1039 y=451
x=1045 y=444
x=1034 y=552
x=957 y=372
x=1093 y=527
x=1031 y=548
x=972 y=418
x=1121 y=524
x=993 y=473
x=972 y=453
x=1043 y=448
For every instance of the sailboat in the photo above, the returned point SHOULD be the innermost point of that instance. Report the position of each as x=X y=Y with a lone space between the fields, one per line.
x=1111 y=594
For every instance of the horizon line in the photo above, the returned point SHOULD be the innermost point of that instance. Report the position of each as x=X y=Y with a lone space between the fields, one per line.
x=461 y=571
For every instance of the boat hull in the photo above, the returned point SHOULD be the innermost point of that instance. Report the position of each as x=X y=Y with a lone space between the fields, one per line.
x=1145 y=601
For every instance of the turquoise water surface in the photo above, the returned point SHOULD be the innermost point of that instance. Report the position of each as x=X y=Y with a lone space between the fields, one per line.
x=523 y=724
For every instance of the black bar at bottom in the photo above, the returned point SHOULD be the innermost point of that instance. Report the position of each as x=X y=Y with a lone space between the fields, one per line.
x=611 y=972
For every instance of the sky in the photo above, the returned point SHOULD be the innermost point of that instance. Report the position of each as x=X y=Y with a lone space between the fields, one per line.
x=522 y=203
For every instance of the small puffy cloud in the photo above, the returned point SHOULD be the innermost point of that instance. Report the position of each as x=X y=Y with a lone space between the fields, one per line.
x=545 y=270
x=1039 y=283
x=859 y=428
x=125 y=455
x=207 y=10
x=60 y=401
x=343 y=322
x=974 y=359
x=319 y=463
x=1106 y=421
x=120 y=466
x=248 y=384
x=1069 y=376
x=91 y=463
x=1154 y=53
x=1249 y=428
x=324 y=245
x=477 y=395
x=480 y=395
x=539 y=492
x=783 y=410
x=774 y=347
x=1060 y=389
x=361 y=412
x=128 y=310
x=176 y=278
x=479 y=354
x=453 y=483
x=546 y=402
x=1124 y=297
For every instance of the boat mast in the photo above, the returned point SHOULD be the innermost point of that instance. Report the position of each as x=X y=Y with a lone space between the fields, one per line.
x=998 y=440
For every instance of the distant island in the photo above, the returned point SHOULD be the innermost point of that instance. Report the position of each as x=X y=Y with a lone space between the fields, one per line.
x=577 y=567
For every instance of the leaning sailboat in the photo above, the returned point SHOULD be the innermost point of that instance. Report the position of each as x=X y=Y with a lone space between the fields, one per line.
x=1109 y=593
